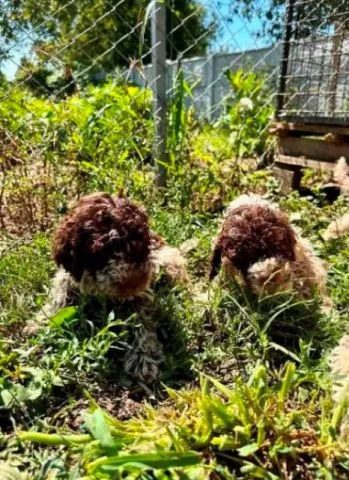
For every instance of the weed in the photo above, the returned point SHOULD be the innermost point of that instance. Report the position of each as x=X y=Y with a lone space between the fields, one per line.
x=262 y=406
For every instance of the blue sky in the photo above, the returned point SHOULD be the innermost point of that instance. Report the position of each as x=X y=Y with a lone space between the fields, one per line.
x=239 y=35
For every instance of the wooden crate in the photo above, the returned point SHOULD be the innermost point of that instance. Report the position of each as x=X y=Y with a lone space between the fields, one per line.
x=303 y=145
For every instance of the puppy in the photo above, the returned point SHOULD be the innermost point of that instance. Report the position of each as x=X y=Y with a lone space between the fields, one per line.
x=104 y=247
x=257 y=245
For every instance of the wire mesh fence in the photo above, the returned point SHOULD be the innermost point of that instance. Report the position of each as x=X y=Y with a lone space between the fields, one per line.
x=83 y=83
x=205 y=38
x=315 y=63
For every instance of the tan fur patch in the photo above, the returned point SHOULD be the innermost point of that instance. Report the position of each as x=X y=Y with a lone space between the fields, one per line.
x=173 y=263
x=337 y=228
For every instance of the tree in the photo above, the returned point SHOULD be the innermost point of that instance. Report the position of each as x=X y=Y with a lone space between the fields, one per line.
x=309 y=15
x=99 y=35
x=44 y=81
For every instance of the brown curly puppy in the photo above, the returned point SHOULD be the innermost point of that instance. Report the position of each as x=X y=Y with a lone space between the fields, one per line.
x=104 y=243
x=257 y=245
x=104 y=246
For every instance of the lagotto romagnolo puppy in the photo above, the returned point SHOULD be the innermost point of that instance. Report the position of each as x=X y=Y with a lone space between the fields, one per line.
x=104 y=247
x=257 y=245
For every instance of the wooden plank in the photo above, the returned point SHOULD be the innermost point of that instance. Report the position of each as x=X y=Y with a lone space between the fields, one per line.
x=288 y=176
x=311 y=128
x=313 y=148
x=303 y=162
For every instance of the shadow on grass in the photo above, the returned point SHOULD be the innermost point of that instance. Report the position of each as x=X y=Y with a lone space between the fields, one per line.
x=245 y=328
x=85 y=351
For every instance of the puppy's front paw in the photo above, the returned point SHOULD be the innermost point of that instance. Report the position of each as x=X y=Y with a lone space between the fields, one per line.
x=145 y=356
x=142 y=367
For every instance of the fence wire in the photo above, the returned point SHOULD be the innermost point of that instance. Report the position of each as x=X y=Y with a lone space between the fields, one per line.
x=51 y=59
x=314 y=83
x=226 y=39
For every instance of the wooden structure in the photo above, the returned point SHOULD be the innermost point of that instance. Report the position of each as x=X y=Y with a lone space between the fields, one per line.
x=307 y=145
x=312 y=113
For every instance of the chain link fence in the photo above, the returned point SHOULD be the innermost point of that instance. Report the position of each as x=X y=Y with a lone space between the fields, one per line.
x=315 y=62
x=58 y=62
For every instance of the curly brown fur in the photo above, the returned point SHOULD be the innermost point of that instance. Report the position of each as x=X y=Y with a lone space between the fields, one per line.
x=100 y=230
x=104 y=246
x=256 y=244
x=251 y=233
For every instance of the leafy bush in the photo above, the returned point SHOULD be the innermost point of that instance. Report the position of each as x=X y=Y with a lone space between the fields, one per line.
x=102 y=139
x=56 y=151
x=248 y=113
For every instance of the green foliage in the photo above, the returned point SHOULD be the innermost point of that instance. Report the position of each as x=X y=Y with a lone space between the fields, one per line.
x=25 y=270
x=258 y=428
x=101 y=140
x=249 y=113
x=97 y=29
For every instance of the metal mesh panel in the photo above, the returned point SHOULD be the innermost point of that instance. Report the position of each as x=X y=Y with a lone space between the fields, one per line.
x=54 y=55
x=314 y=76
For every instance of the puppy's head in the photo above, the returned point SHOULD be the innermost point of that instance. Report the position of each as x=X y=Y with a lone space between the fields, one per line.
x=270 y=276
x=252 y=233
x=102 y=233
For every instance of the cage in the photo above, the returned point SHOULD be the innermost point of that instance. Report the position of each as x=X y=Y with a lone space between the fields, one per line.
x=312 y=111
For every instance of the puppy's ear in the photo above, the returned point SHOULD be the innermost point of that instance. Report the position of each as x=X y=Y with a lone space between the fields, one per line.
x=216 y=262
x=64 y=253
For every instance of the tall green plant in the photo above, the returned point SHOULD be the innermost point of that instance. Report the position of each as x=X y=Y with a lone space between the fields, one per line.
x=178 y=114
x=257 y=429
x=248 y=113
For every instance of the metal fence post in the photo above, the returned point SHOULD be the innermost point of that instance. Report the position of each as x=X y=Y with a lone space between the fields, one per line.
x=211 y=85
x=285 y=57
x=158 y=36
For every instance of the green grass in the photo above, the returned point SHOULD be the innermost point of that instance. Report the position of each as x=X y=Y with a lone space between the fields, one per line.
x=245 y=390
x=259 y=428
x=270 y=353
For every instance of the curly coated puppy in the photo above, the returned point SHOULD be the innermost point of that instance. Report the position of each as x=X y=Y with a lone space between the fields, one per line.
x=257 y=245
x=104 y=247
